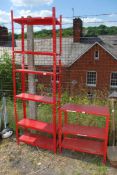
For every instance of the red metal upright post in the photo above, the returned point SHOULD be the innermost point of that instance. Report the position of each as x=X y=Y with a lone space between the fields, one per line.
x=14 y=77
x=60 y=35
x=59 y=64
x=23 y=67
x=106 y=138
x=54 y=78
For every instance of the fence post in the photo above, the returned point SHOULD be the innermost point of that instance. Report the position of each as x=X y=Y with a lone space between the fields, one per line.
x=31 y=77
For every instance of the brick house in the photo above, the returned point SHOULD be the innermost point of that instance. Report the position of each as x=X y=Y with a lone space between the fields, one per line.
x=87 y=63
x=95 y=68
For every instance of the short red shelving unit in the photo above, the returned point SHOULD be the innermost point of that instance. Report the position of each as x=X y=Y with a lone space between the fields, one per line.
x=87 y=139
x=30 y=138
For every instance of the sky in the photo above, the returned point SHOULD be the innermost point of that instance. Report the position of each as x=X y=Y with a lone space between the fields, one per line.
x=67 y=8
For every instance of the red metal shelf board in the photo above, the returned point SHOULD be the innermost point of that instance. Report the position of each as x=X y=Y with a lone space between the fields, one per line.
x=35 y=53
x=86 y=131
x=86 y=109
x=34 y=72
x=37 y=125
x=37 y=140
x=84 y=145
x=37 y=98
x=36 y=21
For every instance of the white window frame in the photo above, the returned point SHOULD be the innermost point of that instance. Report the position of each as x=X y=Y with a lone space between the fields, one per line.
x=112 y=86
x=91 y=85
x=96 y=57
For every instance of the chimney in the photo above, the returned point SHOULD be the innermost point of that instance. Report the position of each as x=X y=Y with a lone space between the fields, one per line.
x=77 y=29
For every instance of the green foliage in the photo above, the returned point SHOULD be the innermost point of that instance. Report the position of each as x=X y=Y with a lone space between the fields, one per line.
x=67 y=32
x=101 y=170
x=43 y=34
x=5 y=73
x=84 y=119
x=40 y=88
x=101 y=30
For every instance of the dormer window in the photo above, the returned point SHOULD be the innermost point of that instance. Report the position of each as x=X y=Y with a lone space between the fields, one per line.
x=96 y=55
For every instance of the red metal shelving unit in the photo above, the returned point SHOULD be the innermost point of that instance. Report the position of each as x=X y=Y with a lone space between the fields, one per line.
x=26 y=123
x=87 y=139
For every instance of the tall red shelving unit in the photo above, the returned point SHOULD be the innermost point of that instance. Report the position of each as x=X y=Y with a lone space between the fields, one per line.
x=26 y=123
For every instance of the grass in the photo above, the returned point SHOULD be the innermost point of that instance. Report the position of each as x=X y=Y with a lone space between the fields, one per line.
x=44 y=111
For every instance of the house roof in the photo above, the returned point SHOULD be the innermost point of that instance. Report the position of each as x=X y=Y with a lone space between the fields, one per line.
x=70 y=51
x=110 y=44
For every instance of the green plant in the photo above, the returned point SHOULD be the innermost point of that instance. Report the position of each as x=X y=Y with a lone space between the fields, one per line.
x=6 y=73
x=40 y=88
x=101 y=170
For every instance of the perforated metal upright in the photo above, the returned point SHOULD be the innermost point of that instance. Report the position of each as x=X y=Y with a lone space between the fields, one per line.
x=51 y=128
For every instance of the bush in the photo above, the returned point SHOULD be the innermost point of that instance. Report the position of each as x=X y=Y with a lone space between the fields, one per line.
x=6 y=83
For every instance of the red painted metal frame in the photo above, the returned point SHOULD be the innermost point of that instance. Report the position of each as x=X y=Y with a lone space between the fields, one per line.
x=84 y=145
x=54 y=101
x=86 y=109
x=54 y=78
x=37 y=20
x=14 y=78
x=36 y=125
x=85 y=132
x=34 y=72
x=37 y=140
x=60 y=65
x=35 y=53
x=36 y=98
x=22 y=74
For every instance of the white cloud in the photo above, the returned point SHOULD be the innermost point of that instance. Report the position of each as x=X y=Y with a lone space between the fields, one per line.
x=4 y=17
x=41 y=13
x=98 y=21
x=91 y=20
x=24 y=3
x=67 y=22
x=25 y=13
x=44 y=13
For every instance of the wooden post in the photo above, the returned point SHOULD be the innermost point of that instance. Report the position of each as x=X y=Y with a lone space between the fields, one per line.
x=31 y=77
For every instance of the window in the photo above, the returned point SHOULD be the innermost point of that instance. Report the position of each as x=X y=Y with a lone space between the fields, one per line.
x=114 y=79
x=91 y=78
x=96 y=55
